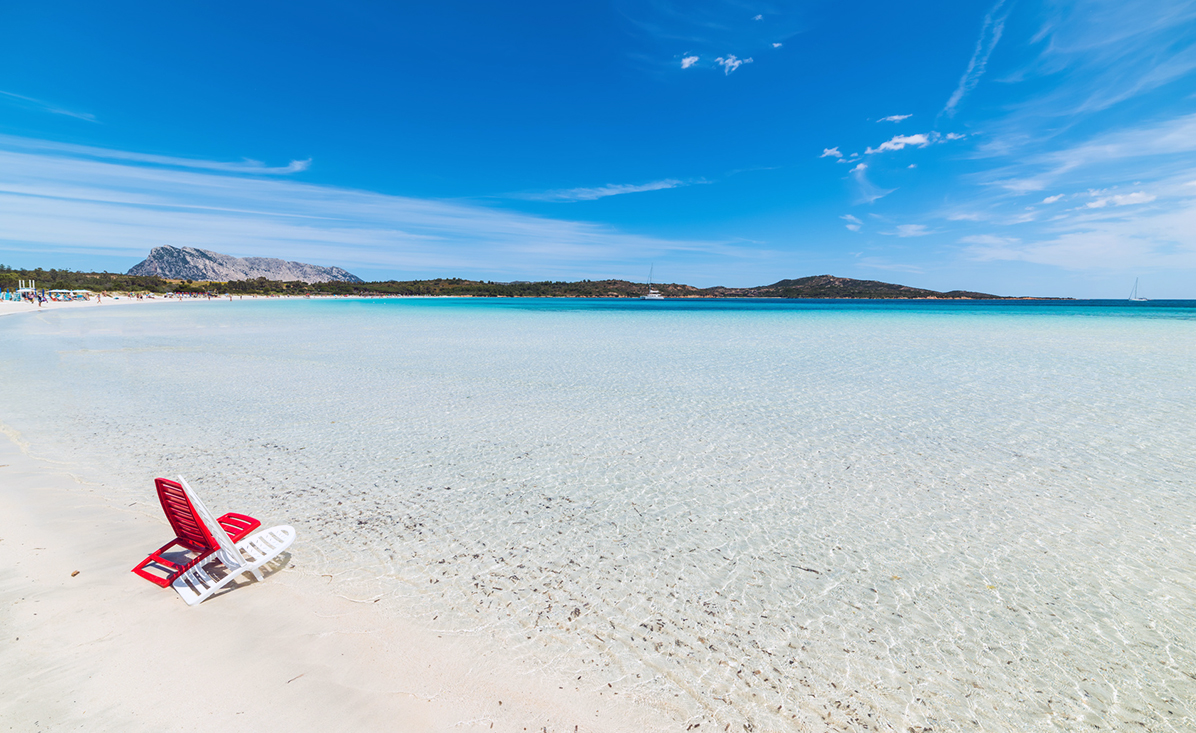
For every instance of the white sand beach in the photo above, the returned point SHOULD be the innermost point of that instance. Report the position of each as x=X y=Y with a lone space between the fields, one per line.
x=106 y=650
x=11 y=307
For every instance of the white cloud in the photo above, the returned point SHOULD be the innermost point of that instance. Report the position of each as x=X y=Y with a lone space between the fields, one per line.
x=852 y=223
x=900 y=141
x=758 y=17
x=731 y=63
x=1052 y=199
x=921 y=140
x=111 y=203
x=989 y=240
x=1129 y=199
x=38 y=104
x=867 y=192
x=990 y=34
x=911 y=166
x=777 y=45
x=909 y=230
x=688 y=61
x=831 y=153
x=894 y=118
x=569 y=195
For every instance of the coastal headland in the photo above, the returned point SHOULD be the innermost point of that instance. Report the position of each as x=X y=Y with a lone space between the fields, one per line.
x=816 y=286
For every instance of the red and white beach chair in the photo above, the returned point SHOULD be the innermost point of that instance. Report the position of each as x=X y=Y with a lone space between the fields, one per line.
x=193 y=542
x=214 y=542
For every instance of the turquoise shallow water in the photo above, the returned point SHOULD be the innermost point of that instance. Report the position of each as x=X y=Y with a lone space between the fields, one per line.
x=867 y=516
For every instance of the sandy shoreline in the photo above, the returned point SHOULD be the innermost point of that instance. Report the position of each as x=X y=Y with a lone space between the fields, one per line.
x=106 y=650
x=11 y=307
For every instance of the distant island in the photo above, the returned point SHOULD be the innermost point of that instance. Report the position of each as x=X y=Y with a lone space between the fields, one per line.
x=817 y=286
x=189 y=263
x=186 y=269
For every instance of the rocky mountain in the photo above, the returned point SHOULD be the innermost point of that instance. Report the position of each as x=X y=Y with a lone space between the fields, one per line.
x=189 y=263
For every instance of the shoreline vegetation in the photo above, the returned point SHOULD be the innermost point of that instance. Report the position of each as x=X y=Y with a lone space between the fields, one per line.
x=817 y=286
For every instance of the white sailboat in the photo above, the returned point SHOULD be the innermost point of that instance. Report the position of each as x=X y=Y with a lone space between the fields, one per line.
x=653 y=294
x=1134 y=293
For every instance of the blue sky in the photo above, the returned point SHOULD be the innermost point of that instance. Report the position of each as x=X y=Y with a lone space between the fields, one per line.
x=1008 y=146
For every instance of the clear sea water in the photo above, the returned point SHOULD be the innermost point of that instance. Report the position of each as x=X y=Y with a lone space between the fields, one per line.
x=761 y=515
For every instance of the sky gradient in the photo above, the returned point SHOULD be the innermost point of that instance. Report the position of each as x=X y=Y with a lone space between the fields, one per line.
x=1011 y=146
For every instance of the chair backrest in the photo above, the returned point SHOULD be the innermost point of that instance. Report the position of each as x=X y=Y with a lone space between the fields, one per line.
x=188 y=527
x=227 y=551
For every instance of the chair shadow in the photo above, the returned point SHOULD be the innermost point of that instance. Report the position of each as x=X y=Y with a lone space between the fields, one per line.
x=219 y=571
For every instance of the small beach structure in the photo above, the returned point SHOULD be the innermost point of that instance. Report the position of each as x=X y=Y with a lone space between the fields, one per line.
x=207 y=553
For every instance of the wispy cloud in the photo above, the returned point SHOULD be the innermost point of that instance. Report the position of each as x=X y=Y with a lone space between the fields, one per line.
x=989 y=240
x=990 y=34
x=866 y=191
x=831 y=153
x=1111 y=51
x=42 y=106
x=1052 y=199
x=777 y=45
x=909 y=230
x=758 y=17
x=731 y=63
x=688 y=61
x=1112 y=232
x=895 y=118
x=883 y=264
x=707 y=30
x=1163 y=240
x=568 y=195
x=1155 y=148
x=51 y=201
x=85 y=151
x=853 y=223
x=1129 y=199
